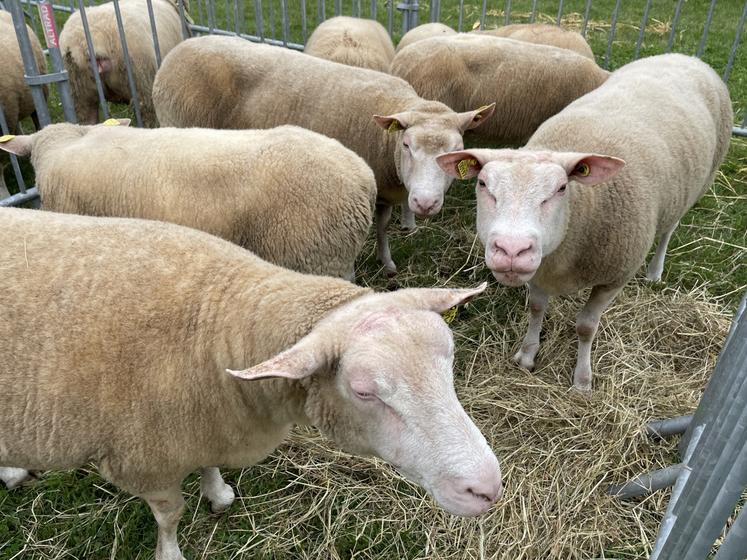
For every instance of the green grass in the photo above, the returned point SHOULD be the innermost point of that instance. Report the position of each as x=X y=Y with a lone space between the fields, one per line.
x=288 y=509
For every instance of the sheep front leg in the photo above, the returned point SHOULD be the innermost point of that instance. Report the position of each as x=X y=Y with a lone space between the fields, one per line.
x=587 y=323
x=167 y=507
x=656 y=266
x=407 y=217
x=383 y=254
x=218 y=493
x=530 y=346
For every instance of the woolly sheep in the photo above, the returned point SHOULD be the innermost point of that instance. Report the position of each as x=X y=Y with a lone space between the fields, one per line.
x=354 y=41
x=530 y=83
x=668 y=120
x=423 y=31
x=543 y=34
x=294 y=197
x=246 y=85
x=110 y=58
x=144 y=393
x=15 y=96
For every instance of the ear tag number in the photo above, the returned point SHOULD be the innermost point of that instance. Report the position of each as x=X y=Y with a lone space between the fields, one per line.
x=583 y=170
x=463 y=167
x=6 y=138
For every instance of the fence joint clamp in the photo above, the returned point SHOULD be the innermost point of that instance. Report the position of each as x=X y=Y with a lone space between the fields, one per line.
x=43 y=79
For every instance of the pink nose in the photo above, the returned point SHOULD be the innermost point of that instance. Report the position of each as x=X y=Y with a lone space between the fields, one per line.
x=489 y=491
x=424 y=205
x=512 y=253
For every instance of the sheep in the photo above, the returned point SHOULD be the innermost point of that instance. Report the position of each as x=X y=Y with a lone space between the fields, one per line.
x=144 y=393
x=667 y=119
x=110 y=63
x=227 y=82
x=294 y=197
x=423 y=31
x=543 y=34
x=531 y=82
x=354 y=41
x=15 y=96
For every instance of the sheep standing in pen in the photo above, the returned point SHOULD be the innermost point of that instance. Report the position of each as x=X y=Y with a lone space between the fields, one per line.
x=226 y=82
x=110 y=62
x=144 y=393
x=543 y=34
x=293 y=197
x=529 y=83
x=583 y=202
x=15 y=95
x=424 y=31
x=354 y=41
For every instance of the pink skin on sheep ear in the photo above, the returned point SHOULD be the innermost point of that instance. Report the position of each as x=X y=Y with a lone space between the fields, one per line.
x=300 y=360
x=588 y=169
x=473 y=119
x=464 y=164
x=18 y=145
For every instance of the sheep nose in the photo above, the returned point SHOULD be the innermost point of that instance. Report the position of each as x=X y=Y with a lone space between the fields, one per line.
x=425 y=205
x=512 y=248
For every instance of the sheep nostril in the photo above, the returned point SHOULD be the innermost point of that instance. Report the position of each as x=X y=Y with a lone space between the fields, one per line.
x=481 y=496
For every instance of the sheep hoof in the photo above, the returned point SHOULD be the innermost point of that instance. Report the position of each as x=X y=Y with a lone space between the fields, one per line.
x=222 y=499
x=406 y=226
x=524 y=360
x=583 y=389
x=653 y=277
x=390 y=269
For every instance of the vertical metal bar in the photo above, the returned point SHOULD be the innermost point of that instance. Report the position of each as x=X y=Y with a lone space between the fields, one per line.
x=706 y=27
x=372 y=9
x=744 y=121
x=461 y=15
x=29 y=62
x=435 y=10
x=200 y=16
x=32 y=16
x=338 y=7
x=735 y=44
x=675 y=22
x=227 y=8
x=390 y=17
x=507 y=14
x=584 y=25
x=303 y=21
x=533 y=17
x=13 y=160
x=128 y=64
x=46 y=16
x=210 y=8
x=258 y=19
x=236 y=21
x=183 y=17
x=284 y=20
x=482 y=13
x=560 y=13
x=642 y=31
x=152 y=19
x=735 y=543
x=321 y=12
x=356 y=8
x=92 y=60
x=613 y=30
x=272 y=18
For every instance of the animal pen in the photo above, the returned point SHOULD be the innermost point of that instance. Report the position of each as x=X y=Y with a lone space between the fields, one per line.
x=710 y=480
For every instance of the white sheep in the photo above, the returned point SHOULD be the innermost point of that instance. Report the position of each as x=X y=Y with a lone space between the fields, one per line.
x=119 y=357
x=354 y=41
x=294 y=197
x=244 y=85
x=110 y=56
x=543 y=34
x=15 y=94
x=667 y=119
x=529 y=83
x=423 y=31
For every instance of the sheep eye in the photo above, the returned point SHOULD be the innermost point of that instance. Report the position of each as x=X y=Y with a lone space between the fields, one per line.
x=481 y=183
x=365 y=396
x=562 y=189
x=406 y=145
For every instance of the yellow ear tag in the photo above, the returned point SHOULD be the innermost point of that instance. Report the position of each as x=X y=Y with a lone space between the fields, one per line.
x=463 y=167
x=449 y=315
x=582 y=169
x=6 y=138
x=111 y=122
x=476 y=25
x=394 y=126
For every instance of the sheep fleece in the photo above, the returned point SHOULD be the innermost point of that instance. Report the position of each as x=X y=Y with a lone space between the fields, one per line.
x=354 y=41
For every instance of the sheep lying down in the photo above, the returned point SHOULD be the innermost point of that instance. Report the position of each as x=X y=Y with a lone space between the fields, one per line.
x=154 y=350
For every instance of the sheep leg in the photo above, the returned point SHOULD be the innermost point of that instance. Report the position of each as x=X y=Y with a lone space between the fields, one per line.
x=587 y=323
x=407 y=218
x=13 y=477
x=167 y=507
x=529 y=347
x=218 y=493
x=656 y=266
x=383 y=254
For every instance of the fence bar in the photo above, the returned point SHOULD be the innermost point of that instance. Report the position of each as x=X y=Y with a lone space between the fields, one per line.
x=675 y=22
x=390 y=17
x=534 y=12
x=253 y=38
x=584 y=25
x=210 y=9
x=482 y=13
x=257 y=20
x=20 y=198
x=303 y=21
x=227 y=12
x=32 y=17
x=156 y=46
x=284 y=20
x=507 y=13
x=338 y=7
x=461 y=16
x=272 y=18
x=236 y=21
x=435 y=10
x=647 y=483
x=613 y=31
x=29 y=62
x=92 y=60
x=704 y=37
x=321 y=15
x=735 y=543
x=128 y=65
x=735 y=44
x=356 y=8
x=46 y=16
x=669 y=427
x=200 y=16
x=560 y=12
x=4 y=193
x=183 y=17
x=642 y=31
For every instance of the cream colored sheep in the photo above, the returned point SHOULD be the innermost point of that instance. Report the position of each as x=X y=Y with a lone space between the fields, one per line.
x=543 y=34
x=423 y=31
x=15 y=95
x=354 y=41
x=667 y=119
x=294 y=197
x=110 y=57
x=530 y=83
x=239 y=84
x=119 y=356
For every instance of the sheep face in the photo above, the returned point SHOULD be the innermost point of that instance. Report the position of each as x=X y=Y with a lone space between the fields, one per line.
x=523 y=202
x=379 y=381
x=420 y=137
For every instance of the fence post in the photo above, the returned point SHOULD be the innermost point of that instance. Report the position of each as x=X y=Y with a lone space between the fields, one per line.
x=409 y=9
x=46 y=15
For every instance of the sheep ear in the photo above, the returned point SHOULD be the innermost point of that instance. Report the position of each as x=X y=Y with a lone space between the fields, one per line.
x=392 y=123
x=473 y=119
x=460 y=165
x=590 y=169
x=301 y=360
x=18 y=145
x=440 y=299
